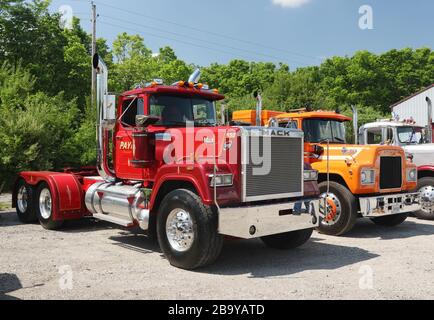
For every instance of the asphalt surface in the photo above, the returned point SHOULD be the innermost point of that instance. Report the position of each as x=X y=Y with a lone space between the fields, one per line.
x=96 y=260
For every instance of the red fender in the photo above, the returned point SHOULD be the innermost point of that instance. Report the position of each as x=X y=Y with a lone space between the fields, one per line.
x=66 y=191
x=425 y=168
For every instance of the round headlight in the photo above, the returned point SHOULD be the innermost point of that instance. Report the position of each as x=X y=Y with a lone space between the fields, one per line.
x=364 y=177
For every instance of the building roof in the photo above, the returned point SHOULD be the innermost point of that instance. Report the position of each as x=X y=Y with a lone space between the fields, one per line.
x=412 y=96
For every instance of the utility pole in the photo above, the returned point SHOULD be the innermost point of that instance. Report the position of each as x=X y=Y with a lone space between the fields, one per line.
x=93 y=89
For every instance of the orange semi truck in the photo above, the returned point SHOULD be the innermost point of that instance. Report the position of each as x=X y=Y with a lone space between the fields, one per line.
x=367 y=181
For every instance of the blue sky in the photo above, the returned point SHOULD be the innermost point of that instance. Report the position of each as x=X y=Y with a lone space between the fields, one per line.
x=296 y=32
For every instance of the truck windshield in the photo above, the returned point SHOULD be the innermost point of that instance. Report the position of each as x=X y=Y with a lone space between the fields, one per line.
x=410 y=135
x=178 y=110
x=321 y=130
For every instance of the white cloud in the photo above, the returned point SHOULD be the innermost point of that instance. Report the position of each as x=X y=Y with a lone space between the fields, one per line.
x=290 y=3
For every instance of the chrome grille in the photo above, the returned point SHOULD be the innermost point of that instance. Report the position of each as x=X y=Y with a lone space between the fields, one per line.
x=284 y=178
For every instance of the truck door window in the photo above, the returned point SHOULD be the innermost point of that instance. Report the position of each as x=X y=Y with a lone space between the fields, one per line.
x=130 y=109
x=375 y=136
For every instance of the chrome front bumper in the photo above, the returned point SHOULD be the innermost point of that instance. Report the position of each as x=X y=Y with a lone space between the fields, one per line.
x=385 y=205
x=259 y=221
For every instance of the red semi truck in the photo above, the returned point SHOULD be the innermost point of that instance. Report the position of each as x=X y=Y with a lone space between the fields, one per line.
x=164 y=164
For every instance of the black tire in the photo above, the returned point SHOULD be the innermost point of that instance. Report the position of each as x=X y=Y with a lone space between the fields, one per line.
x=289 y=240
x=391 y=221
x=426 y=213
x=207 y=242
x=46 y=221
x=349 y=213
x=26 y=213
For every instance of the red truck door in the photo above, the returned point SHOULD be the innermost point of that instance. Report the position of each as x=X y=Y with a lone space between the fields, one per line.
x=124 y=141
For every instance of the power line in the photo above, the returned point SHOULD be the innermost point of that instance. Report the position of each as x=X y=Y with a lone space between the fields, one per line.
x=280 y=59
x=167 y=38
x=208 y=32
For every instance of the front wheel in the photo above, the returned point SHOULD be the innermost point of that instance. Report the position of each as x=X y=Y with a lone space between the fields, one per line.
x=187 y=230
x=44 y=208
x=391 y=221
x=289 y=240
x=426 y=189
x=341 y=214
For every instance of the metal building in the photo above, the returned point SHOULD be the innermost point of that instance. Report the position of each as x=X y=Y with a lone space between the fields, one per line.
x=415 y=106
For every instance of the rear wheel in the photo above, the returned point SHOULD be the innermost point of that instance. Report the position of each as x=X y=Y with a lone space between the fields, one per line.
x=341 y=213
x=289 y=240
x=44 y=208
x=391 y=221
x=187 y=230
x=24 y=203
x=426 y=189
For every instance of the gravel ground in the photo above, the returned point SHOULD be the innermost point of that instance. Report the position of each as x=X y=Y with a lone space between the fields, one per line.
x=95 y=260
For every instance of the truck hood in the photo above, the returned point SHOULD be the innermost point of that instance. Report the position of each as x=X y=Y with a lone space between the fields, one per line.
x=423 y=153
x=362 y=154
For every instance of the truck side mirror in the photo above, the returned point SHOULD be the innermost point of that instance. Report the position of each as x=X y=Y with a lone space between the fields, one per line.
x=146 y=121
x=109 y=112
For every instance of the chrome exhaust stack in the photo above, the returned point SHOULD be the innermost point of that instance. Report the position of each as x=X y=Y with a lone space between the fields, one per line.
x=355 y=124
x=106 y=118
x=195 y=76
x=429 y=127
x=258 y=97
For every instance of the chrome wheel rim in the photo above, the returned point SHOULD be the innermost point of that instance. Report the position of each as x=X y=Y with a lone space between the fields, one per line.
x=45 y=204
x=333 y=209
x=427 y=198
x=179 y=230
x=22 y=199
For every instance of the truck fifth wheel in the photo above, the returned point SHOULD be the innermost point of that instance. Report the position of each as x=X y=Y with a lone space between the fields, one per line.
x=179 y=175
x=368 y=181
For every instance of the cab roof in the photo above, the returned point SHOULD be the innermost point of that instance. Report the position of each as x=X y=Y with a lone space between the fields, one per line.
x=186 y=91
x=314 y=115
x=397 y=124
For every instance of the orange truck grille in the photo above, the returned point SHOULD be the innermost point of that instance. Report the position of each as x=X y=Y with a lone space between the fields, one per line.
x=390 y=173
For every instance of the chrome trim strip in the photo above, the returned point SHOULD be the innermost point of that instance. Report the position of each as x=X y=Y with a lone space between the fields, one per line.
x=399 y=203
x=268 y=220
x=163 y=137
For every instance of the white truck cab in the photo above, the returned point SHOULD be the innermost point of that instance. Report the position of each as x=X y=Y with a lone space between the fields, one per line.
x=417 y=144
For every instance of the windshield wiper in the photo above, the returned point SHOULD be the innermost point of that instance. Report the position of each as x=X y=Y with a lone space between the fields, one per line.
x=174 y=123
x=338 y=139
x=204 y=123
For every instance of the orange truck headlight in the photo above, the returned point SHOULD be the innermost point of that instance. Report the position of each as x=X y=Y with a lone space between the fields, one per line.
x=412 y=175
x=367 y=177
x=310 y=175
